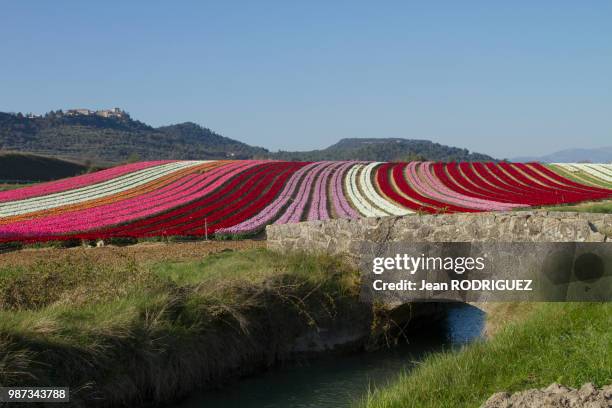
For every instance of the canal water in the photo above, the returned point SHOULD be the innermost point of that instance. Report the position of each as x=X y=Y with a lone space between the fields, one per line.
x=337 y=382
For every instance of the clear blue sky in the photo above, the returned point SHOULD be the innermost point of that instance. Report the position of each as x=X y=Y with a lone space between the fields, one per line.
x=504 y=78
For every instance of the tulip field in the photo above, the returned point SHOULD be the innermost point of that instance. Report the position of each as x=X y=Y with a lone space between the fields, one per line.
x=193 y=198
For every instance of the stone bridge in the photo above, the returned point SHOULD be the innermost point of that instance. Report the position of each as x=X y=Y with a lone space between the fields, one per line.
x=521 y=238
x=344 y=236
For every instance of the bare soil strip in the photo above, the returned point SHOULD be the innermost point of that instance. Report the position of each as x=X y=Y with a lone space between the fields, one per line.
x=146 y=252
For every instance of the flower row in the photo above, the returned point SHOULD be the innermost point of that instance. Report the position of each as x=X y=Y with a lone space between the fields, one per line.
x=240 y=197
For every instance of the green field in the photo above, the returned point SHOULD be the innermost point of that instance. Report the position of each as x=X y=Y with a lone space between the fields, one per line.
x=590 y=207
x=568 y=343
x=27 y=168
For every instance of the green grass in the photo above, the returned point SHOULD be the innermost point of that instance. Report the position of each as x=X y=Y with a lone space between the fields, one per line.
x=569 y=343
x=591 y=207
x=226 y=266
x=127 y=332
x=7 y=187
x=130 y=332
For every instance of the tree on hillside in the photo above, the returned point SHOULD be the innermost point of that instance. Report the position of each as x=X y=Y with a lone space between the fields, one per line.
x=133 y=158
x=410 y=157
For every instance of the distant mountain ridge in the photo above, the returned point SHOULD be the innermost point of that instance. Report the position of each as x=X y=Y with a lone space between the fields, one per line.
x=107 y=137
x=386 y=149
x=116 y=139
x=596 y=155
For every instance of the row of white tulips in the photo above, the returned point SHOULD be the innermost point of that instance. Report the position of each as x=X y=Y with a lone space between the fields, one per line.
x=597 y=170
x=93 y=192
x=371 y=193
x=363 y=194
x=600 y=171
x=358 y=199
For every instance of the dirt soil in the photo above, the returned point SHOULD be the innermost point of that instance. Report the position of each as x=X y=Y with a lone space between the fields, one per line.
x=147 y=252
x=554 y=396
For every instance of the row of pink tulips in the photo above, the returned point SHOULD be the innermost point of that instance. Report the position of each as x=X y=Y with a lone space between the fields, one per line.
x=318 y=204
x=441 y=191
x=340 y=202
x=76 y=182
x=270 y=211
x=177 y=193
x=296 y=208
x=417 y=181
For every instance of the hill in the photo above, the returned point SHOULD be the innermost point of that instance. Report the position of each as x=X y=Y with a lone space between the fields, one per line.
x=108 y=140
x=23 y=168
x=385 y=149
x=597 y=155
x=115 y=139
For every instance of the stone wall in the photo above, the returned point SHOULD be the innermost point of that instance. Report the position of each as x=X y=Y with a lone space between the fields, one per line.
x=343 y=236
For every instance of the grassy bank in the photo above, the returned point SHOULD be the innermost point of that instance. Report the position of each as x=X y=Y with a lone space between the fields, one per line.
x=569 y=343
x=590 y=207
x=127 y=332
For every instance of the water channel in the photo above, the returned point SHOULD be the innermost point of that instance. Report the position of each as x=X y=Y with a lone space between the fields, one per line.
x=336 y=382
